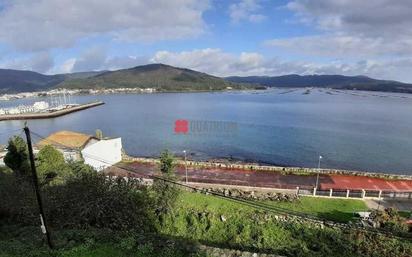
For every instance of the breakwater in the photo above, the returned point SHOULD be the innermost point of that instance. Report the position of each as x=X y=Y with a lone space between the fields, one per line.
x=47 y=115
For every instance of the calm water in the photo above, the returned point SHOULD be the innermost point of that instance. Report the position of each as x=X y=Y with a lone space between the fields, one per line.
x=351 y=130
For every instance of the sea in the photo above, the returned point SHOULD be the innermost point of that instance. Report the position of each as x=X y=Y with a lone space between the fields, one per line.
x=353 y=130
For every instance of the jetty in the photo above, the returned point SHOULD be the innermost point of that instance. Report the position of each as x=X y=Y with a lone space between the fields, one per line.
x=50 y=114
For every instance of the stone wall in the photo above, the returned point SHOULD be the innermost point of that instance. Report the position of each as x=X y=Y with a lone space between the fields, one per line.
x=221 y=252
x=253 y=195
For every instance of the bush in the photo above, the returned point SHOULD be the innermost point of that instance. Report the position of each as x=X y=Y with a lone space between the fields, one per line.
x=17 y=200
x=51 y=166
x=17 y=157
x=165 y=192
x=90 y=199
x=87 y=199
x=389 y=219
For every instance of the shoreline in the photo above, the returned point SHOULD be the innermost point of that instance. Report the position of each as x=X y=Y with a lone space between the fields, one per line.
x=239 y=165
x=114 y=91
x=110 y=91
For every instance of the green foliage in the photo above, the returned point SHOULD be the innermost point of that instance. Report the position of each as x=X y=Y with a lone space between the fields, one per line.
x=51 y=166
x=86 y=199
x=94 y=200
x=28 y=241
x=17 y=157
x=390 y=219
x=165 y=192
x=159 y=76
x=166 y=163
x=17 y=200
x=340 y=210
x=199 y=217
x=80 y=168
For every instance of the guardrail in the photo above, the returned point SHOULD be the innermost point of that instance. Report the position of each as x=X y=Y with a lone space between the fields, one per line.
x=378 y=194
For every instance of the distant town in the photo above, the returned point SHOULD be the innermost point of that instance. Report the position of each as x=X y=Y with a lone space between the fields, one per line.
x=70 y=92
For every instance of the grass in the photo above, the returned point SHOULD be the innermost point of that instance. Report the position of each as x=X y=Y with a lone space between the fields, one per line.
x=222 y=223
x=97 y=250
x=28 y=241
x=340 y=210
x=216 y=222
x=405 y=214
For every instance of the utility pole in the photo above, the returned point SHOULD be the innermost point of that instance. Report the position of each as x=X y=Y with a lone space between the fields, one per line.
x=43 y=221
x=184 y=151
x=317 y=175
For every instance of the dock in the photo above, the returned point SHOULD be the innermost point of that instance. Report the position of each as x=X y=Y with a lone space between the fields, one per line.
x=47 y=115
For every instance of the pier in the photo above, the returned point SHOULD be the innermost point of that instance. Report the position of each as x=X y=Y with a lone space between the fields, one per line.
x=47 y=115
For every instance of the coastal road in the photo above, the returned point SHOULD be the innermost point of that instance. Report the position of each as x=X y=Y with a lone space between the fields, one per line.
x=270 y=179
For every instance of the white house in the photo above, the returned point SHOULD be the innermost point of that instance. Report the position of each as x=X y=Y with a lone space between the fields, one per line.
x=103 y=153
x=98 y=153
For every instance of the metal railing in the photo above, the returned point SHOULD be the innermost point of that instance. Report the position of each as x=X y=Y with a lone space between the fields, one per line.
x=360 y=194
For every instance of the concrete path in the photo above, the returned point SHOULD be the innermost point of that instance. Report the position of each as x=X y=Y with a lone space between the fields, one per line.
x=402 y=205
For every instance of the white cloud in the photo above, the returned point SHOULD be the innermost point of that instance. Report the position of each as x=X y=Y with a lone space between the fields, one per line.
x=220 y=63
x=44 y=24
x=96 y=59
x=90 y=60
x=352 y=30
x=340 y=46
x=65 y=67
x=246 y=10
x=41 y=62
x=378 y=18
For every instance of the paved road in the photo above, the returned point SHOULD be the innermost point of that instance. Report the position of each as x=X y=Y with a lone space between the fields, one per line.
x=274 y=179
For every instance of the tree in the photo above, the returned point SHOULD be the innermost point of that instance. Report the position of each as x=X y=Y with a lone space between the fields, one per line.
x=166 y=163
x=51 y=166
x=17 y=157
x=166 y=192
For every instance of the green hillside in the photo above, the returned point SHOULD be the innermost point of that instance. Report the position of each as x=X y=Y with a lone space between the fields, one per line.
x=159 y=76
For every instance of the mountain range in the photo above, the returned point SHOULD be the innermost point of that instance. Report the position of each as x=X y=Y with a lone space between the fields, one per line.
x=327 y=81
x=169 y=78
x=159 y=76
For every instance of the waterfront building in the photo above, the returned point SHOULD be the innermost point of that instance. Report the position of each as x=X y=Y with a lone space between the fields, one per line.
x=98 y=153
x=103 y=154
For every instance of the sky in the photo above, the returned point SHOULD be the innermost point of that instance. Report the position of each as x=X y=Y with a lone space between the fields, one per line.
x=219 y=37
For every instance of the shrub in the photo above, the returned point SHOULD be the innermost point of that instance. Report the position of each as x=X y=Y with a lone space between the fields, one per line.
x=51 y=166
x=17 y=200
x=87 y=199
x=165 y=192
x=389 y=219
x=90 y=199
x=17 y=157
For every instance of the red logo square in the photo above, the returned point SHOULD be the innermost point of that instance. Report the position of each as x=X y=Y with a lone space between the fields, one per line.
x=181 y=126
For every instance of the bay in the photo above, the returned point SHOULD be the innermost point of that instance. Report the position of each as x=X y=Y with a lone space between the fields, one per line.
x=352 y=130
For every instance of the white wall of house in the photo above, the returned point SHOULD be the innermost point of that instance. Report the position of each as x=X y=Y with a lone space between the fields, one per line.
x=103 y=154
x=2 y=154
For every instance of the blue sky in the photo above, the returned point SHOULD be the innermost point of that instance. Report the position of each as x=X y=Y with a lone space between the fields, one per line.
x=239 y=37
